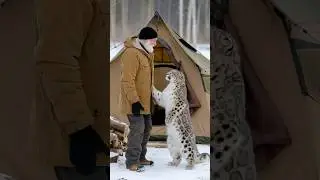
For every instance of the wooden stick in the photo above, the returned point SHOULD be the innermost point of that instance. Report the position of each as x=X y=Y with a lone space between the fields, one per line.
x=118 y=125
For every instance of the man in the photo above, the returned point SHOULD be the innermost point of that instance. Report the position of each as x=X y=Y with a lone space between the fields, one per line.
x=135 y=95
x=72 y=124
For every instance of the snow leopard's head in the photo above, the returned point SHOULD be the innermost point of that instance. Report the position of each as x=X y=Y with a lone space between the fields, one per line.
x=175 y=76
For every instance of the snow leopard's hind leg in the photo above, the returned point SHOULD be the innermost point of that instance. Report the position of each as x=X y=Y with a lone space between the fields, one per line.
x=186 y=138
x=174 y=149
x=189 y=153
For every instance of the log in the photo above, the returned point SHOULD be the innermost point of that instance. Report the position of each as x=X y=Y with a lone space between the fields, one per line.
x=118 y=125
x=114 y=140
x=120 y=128
x=118 y=135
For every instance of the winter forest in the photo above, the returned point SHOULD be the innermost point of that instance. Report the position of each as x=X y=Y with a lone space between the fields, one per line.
x=189 y=18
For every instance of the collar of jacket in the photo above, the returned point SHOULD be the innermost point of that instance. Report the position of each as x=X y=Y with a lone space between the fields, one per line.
x=142 y=49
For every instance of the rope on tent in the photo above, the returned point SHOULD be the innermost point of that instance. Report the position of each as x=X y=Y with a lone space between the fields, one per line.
x=288 y=21
x=305 y=31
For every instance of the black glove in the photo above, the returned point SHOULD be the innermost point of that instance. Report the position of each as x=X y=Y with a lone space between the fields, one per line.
x=136 y=107
x=84 y=145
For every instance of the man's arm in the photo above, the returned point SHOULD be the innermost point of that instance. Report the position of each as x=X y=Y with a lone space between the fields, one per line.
x=130 y=66
x=62 y=28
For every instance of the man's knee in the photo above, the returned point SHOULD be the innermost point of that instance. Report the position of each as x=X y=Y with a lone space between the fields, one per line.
x=136 y=125
x=148 y=123
x=148 y=128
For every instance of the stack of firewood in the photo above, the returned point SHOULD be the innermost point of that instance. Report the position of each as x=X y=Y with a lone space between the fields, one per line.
x=118 y=136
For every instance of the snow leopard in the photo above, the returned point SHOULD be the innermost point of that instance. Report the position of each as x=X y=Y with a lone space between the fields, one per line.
x=231 y=140
x=181 y=139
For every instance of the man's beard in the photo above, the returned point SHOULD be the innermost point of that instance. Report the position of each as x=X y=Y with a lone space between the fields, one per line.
x=147 y=46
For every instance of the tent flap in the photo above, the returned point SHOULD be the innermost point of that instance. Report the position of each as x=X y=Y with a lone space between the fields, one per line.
x=306 y=56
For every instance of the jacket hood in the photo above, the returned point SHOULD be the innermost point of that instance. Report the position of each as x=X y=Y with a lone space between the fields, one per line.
x=133 y=42
x=130 y=42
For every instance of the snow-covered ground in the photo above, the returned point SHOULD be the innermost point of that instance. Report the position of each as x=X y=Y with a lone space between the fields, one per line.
x=115 y=47
x=204 y=49
x=160 y=170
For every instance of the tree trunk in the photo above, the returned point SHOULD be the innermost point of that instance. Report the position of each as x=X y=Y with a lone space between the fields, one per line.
x=113 y=13
x=151 y=8
x=199 y=28
x=169 y=12
x=194 y=23
x=124 y=17
x=142 y=10
x=207 y=19
x=188 y=33
x=181 y=18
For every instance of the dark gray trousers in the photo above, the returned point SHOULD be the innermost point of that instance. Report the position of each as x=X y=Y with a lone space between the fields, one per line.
x=138 y=137
x=70 y=173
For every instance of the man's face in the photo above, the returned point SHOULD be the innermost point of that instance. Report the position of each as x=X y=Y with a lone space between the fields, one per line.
x=152 y=42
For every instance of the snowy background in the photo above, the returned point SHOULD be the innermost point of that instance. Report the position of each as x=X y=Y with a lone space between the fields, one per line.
x=160 y=170
x=189 y=18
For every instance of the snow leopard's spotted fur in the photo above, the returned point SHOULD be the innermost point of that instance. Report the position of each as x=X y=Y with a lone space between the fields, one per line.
x=231 y=143
x=181 y=138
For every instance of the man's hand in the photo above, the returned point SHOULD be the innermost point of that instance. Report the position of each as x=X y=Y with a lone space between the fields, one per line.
x=84 y=145
x=136 y=107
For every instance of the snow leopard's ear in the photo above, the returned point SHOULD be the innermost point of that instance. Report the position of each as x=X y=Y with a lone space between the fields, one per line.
x=167 y=77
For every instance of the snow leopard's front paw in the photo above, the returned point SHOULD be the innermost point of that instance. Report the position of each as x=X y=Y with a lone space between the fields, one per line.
x=154 y=92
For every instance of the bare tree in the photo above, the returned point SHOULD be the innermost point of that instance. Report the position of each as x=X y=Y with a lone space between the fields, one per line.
x=169 y=11
x=194 y=22
x=199 y=25
x=189 y=18
x=124 y=17
x=113 y=13
x=191 y=21
x=207 y=19
x=150 y=8
x=142 y=10
x=181 y=18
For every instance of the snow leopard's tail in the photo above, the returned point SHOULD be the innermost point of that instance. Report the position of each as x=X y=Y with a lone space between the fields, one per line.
x=202 y=157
